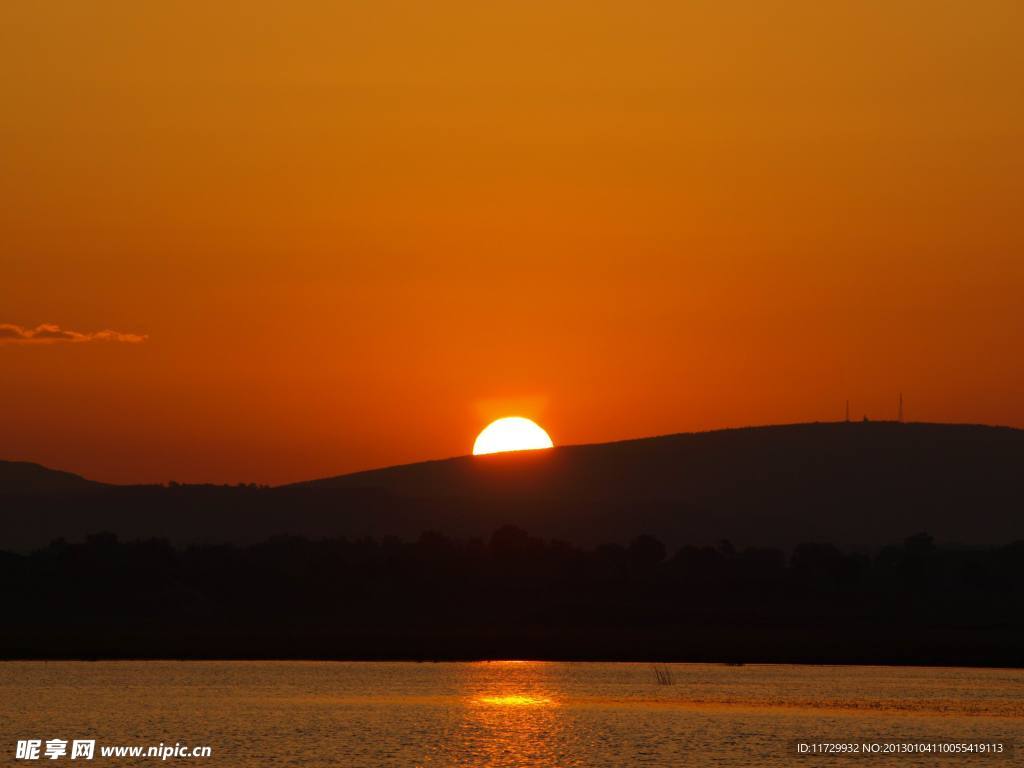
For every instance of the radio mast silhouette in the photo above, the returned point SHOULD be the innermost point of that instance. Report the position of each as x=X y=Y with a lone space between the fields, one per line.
x=847 y=410
x=899 y=416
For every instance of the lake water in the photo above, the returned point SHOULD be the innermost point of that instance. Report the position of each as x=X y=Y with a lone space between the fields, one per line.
x=506 y=713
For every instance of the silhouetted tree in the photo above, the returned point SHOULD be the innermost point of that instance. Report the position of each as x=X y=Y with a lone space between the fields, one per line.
x=516 y=595
x=646 y=552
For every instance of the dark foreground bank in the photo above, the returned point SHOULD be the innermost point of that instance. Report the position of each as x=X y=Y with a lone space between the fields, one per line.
x=515 y=596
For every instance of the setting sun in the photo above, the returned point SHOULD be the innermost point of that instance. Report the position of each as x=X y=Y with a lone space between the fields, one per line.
x=513 y=433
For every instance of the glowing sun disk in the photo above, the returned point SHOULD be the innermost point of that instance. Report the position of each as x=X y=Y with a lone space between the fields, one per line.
x=513 y=433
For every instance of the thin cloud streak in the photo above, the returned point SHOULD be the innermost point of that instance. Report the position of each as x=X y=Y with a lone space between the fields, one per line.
x=51 y=333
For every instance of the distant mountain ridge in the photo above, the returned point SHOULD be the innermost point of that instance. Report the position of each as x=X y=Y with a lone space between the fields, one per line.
x=678 y=465
x=28 y=477
x=855 y=484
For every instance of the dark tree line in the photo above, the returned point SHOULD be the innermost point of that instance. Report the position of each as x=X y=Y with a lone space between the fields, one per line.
x=514 y=595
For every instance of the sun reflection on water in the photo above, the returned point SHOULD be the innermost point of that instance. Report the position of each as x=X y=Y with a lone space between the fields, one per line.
x=516 y=700
x=514 y=716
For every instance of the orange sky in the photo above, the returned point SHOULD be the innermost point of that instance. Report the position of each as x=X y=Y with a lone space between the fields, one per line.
x=354 y=232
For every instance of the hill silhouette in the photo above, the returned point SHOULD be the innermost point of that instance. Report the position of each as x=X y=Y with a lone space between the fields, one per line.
x=859 y=485
x=26 y=477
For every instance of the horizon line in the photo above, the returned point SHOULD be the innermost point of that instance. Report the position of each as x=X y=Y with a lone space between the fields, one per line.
x=557 y=446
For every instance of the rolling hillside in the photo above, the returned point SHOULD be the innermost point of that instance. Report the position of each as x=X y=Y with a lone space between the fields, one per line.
x=853 y=484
